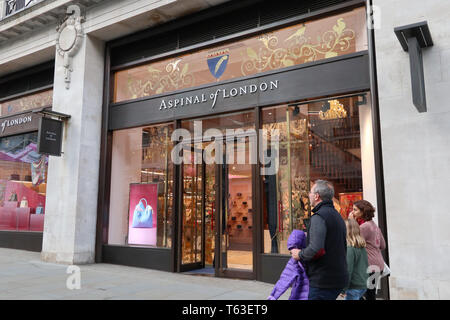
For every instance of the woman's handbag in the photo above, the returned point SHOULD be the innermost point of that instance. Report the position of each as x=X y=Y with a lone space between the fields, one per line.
x=143 y=215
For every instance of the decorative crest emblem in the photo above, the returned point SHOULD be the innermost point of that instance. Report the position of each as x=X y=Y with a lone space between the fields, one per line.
x=218 y=61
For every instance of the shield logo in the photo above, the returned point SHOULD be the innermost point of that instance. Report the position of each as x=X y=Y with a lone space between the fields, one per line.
x=218 y=64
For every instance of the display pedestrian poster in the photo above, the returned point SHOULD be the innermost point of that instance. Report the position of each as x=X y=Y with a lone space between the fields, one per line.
x=142 y=223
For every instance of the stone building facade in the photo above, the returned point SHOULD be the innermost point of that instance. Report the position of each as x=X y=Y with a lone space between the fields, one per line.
x=405 y=152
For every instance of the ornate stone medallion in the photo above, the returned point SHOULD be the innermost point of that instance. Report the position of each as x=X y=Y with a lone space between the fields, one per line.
x=69 y=39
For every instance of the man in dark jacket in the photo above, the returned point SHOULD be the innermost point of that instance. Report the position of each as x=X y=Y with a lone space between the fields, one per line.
x=326 y=246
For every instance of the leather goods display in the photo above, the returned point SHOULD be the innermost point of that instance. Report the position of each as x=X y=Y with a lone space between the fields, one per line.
x=240 y=212
x=143 y=215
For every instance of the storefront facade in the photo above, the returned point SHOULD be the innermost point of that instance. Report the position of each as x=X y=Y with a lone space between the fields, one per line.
x=23 y=171
x=337 y=90
x=305 y=80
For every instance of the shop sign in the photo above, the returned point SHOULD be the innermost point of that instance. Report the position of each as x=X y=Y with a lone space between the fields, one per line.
x=223 y=94
x=50 y=137
x=290 y=85
x=18 y=124
x=15 y=122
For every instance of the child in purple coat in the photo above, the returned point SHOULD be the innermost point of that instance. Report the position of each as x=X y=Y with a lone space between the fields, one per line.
x=294 y=273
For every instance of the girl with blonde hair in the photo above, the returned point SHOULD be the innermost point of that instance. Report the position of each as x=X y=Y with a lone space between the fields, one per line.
x=357 y=262
x=364 y=212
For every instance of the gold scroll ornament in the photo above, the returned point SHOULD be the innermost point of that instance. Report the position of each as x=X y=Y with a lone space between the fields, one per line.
x=274 y=54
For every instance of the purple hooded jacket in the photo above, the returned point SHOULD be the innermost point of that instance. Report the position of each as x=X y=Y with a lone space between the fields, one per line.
x=294 y=273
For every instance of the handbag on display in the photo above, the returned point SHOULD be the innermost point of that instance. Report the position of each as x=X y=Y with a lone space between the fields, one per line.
x=24 y=203
x=143 y=215
x=40 y=209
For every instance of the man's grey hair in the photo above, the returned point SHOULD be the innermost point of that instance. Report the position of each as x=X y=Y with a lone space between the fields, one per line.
x=325 y=189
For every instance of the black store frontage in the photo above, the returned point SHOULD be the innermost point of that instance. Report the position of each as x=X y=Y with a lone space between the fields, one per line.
x=179 y=89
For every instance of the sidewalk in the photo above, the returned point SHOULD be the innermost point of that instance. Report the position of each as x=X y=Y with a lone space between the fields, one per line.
x=24 y=276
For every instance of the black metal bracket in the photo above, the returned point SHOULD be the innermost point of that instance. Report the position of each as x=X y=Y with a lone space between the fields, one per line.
x=413 y=38
x=53 y=114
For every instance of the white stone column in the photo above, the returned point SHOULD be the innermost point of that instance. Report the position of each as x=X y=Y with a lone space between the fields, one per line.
x=368 y=156
x=2 y=9
x=72 y=187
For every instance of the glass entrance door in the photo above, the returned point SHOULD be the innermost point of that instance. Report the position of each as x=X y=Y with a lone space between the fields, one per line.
x=235 y=241
x=198 y=210
x=217 y=229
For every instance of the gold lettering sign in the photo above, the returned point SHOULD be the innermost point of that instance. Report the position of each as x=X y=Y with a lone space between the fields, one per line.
x=302 y=43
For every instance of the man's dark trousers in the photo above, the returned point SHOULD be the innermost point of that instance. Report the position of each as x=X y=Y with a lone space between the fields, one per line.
x=323 y=294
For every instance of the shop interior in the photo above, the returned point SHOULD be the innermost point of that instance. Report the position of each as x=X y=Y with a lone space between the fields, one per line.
x=22 y=184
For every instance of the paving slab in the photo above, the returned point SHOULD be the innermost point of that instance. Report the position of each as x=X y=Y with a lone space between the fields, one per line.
x=23 y=276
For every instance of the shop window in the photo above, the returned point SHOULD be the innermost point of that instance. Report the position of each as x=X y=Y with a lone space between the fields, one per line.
x=23 y=183
x=141 y=204
x=329 y=140
x=310 y=41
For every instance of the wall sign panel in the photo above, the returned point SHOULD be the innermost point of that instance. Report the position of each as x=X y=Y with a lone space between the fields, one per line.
x=292 y=84
x=20 y=123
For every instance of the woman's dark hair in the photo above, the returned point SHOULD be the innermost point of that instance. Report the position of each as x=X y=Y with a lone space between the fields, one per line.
x=366 y=208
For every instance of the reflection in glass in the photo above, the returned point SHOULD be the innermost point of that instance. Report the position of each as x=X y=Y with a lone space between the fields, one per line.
x=23 y=183
x=318 y=140
x=210 y=213
x=192 y=211
x=157 y=168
